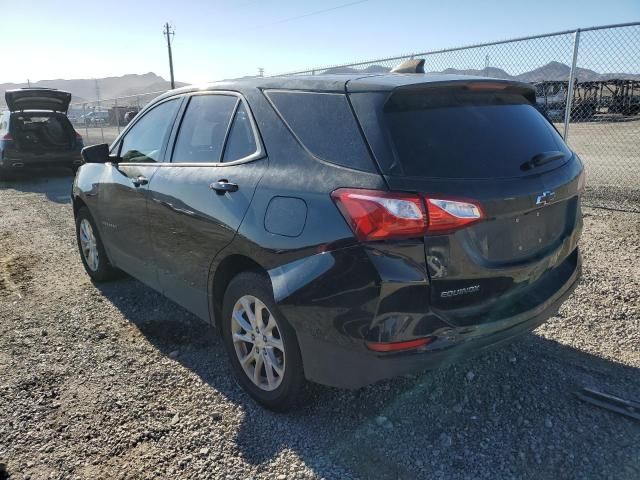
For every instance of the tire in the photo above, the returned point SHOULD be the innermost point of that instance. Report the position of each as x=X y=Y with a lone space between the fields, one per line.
x=283 y=391
x=99 y=269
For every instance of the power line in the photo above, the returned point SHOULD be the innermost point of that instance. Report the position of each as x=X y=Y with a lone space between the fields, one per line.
x=317 y=12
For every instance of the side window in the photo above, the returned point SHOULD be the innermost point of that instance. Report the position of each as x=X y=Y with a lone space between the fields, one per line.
x=203 y=129
x=241 y=141
x=325 y=125
x=143 y=143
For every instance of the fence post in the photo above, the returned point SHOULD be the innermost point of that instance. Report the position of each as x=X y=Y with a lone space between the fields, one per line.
x=117 y=113
x=572 y=76
x=84 y=118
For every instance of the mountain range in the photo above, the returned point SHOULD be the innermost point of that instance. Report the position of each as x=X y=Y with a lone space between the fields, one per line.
x=84 y=90
x=550 y=71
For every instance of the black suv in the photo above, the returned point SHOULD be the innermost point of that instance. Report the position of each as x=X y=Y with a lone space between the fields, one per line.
x=36 y=132
x=340 y=229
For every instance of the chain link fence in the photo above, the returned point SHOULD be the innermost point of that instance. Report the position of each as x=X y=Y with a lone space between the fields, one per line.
x=597 y=68
x=101 y=121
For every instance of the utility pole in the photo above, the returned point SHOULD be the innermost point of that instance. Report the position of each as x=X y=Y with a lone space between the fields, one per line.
x=29 y=83
x=169 y=34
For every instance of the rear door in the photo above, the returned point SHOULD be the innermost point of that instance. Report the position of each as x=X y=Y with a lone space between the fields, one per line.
x=483 y=144
x=198 y=201
x=124 y=191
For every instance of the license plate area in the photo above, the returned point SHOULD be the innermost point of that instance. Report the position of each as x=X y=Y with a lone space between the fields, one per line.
x=519 y=236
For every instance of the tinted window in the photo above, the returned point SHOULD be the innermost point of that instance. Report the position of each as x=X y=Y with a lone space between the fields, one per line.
x=324 y=124
x=241 y=142
x=468 y=134
x=204 y=128
x=144 y=142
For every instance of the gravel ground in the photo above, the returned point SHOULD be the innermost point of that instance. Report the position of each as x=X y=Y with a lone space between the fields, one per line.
x=115 y=381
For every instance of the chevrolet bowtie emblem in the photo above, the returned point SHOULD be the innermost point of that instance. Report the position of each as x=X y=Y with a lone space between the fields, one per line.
x=545 y=198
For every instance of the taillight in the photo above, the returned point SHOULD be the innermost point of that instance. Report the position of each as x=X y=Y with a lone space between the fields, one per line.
x=6 y=136
x=448 y=215
x=376 y=215
x=78 y=137
x=582 y=181
x=486 y=86
x=399 y=346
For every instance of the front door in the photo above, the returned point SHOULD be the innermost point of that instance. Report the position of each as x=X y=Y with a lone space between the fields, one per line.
x=124 y=192
x=196 y=203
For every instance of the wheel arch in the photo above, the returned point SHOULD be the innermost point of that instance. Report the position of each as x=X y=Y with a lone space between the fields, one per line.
x=78 y=203
x=219 y=278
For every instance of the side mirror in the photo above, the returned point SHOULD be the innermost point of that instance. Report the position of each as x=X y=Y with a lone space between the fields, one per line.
x=96 y=153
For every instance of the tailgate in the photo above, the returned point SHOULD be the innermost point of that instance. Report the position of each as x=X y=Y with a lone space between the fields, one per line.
x=481 y=143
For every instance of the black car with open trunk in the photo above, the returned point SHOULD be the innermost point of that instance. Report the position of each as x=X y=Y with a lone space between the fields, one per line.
x=35 y=131
x=341 y=229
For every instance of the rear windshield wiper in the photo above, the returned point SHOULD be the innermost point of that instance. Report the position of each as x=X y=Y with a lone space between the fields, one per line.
x=541 y=159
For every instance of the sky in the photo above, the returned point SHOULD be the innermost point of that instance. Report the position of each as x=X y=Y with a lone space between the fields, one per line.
x=44 y=39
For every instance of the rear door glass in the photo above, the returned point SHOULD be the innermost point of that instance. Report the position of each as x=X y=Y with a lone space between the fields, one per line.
x=460 y=134
x=324 y=125
x=241 y=141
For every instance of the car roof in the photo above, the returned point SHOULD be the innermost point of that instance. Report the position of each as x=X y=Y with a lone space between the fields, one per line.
x=336 y=82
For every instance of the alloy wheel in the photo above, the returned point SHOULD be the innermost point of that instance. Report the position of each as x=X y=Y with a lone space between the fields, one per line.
x=258 y=343
x=88 y=245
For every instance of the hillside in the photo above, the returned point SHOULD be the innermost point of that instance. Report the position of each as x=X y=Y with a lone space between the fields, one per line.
x=84 y=90
x=550 y=71
x=110 y=87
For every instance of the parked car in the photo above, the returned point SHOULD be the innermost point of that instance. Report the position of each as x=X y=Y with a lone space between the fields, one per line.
x=36 y=132
x=340 y=229
x=94 y=118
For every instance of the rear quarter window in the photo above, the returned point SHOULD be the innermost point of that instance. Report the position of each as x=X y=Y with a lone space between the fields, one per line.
x=324 y=124
x=467 y=134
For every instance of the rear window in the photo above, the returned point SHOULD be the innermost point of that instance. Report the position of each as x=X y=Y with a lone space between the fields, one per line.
x=462 y=134
x=324 y=125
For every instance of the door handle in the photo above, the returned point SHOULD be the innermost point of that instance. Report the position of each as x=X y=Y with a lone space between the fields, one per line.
x=223 y=186
x=139 y=180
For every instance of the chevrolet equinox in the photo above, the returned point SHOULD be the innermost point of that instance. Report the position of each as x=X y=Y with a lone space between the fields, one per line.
x=340 y=229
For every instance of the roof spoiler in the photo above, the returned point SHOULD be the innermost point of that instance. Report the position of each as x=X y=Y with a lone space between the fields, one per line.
x=410 y=66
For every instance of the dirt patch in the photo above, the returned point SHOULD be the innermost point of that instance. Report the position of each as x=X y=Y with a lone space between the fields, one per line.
x=15 y=274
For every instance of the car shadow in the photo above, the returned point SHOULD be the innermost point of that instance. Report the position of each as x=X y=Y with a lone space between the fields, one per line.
x=53 y=183
x=511 y=413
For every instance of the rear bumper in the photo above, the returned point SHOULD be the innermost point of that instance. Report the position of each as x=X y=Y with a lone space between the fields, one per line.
x=340 y=366
x=16 y=160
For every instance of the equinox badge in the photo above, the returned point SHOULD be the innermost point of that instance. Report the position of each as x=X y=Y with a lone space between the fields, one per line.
x=460 y=291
